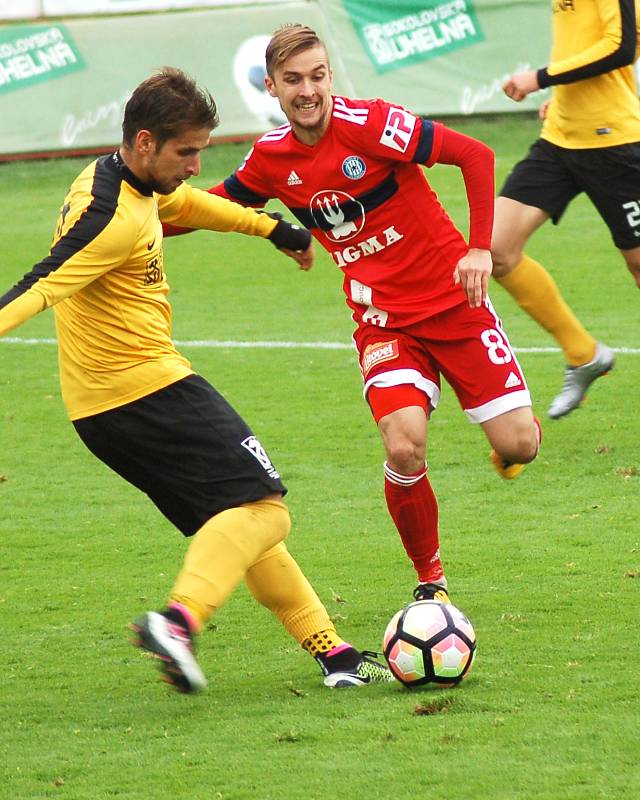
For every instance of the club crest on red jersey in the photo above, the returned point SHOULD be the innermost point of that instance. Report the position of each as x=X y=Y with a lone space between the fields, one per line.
x=327 y=208
x=377 y=353
x=353 y=167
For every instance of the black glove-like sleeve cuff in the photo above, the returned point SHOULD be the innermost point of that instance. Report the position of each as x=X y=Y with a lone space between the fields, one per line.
x=291 y=237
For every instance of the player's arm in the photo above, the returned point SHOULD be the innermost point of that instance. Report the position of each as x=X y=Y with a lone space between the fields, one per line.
x=229 y=189
x=89 y=248
x=477 y=162
x=195 y=208
x=616 y=48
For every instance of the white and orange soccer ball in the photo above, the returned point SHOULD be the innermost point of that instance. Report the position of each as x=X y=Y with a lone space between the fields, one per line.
x=429 y=642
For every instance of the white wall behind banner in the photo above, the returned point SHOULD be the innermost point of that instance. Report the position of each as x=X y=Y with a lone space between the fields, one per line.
x=20 y=9
x=62 y=8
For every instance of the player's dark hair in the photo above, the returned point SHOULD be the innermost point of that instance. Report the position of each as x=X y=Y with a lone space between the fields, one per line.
x=166 y=104
x=287 y=41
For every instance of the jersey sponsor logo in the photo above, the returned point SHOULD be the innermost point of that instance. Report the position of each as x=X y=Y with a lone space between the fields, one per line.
x=378 y=353
x=367 y=247
x=258 y=452
x=398 y=129
x=358 y=116
x=153 y=270
x=294 y=179
x=325 y=207
x=353 y=167
x=562 y=5
x=512 y=381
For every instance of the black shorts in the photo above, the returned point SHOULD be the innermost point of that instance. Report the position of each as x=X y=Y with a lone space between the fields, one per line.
x=187 y=449
x=549 y=177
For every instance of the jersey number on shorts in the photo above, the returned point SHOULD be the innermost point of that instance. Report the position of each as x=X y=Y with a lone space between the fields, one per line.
x=497 y=349
x=633 y=215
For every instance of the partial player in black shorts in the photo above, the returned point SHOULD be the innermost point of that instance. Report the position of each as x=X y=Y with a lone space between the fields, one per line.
x=187 y=449
x=549 y=178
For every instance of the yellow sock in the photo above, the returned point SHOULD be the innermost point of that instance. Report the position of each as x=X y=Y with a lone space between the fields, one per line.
x=536 y=292
x=276 y=581
x=221 y=552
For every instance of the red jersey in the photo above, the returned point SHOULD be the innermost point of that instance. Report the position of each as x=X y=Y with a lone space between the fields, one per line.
x=362 y=193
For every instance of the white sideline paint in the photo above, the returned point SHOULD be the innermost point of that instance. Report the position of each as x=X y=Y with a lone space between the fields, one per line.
x=221 y=344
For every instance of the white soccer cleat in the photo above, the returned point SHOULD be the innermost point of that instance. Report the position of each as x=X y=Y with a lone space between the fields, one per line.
x=172 y=644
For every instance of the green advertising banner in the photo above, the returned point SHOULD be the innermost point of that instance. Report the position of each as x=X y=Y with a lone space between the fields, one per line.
x=396 y=33
x=36 y=54
x=63 y=85
x=440 y=57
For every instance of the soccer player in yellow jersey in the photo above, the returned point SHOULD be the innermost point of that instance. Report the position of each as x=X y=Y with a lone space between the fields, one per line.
x=136 y=402
x=590 y=142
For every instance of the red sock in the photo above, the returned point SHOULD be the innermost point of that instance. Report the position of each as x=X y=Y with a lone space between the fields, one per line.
x=414 y=509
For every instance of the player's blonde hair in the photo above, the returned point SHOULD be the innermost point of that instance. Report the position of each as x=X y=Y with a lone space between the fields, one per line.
x=287 y=41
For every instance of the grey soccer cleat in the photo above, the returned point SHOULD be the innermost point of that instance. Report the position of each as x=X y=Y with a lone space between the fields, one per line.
x=366 y=671
x=172 y=644
x=577 y=381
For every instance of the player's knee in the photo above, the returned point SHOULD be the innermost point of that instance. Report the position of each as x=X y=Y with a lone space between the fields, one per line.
x=272 y=516
x=524 y=445
x=405 y=455
x=504 y=258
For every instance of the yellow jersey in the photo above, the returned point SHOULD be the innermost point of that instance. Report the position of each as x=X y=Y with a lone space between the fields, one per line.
x=104 y=276
x=594 y=99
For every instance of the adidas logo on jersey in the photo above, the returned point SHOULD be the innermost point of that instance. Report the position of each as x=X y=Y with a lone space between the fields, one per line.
x=293 y=179
x=512 y=380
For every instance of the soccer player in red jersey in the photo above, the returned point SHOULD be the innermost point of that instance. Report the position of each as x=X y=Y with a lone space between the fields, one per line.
x=350 y=171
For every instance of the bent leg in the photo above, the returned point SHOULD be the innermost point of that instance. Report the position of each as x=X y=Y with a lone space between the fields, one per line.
x=277 y=582
x=515 y=438
x=222 y=551
x=529 y=283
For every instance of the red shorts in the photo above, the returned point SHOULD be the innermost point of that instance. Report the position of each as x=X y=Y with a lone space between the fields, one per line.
x=467 y=346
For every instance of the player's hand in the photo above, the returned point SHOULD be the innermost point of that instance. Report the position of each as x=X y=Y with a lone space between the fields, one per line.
x=289 y=235
x=303 y=258
x=472 y=273
x=542 y=111
x=521 y=84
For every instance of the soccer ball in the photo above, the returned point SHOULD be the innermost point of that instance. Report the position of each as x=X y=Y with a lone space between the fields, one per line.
x=429 y=642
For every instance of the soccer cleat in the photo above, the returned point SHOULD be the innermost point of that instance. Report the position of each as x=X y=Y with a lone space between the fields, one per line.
x=505 y=469
x=172 y=643
x=431 y=591
x=366 y=670
x=509 y=469
x=577 y=381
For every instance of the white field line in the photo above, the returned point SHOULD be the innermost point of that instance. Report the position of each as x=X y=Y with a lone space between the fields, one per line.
x=221 y=344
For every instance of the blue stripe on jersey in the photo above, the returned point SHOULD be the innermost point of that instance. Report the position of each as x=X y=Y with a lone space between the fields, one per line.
x=425 y=143
x=105 y=191
x=238 y=191
x=351 y=209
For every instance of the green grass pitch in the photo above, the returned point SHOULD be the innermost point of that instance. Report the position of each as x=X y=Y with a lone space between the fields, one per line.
x=547 y=567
